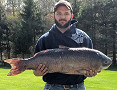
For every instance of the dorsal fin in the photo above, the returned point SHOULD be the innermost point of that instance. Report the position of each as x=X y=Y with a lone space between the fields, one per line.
x=40 y=52
x=62 y=46
x=36 y=54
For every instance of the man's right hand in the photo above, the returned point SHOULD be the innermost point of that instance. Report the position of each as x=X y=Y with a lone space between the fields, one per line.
x=41 y=70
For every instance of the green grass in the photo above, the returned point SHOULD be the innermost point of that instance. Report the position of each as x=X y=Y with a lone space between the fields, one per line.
x=23 y=81
x=106 y=80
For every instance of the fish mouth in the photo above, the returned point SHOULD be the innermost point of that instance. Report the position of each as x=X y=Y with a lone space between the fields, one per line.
x=104 y=67
x=106 y=63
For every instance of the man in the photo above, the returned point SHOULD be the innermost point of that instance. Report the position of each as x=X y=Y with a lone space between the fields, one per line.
x=63 y=32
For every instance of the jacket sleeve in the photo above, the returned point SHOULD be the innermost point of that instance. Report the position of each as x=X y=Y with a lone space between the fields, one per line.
x=88 y=41
x=40 y=45
x=90 y=44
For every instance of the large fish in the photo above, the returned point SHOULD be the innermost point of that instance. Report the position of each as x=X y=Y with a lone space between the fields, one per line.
x=63 y=60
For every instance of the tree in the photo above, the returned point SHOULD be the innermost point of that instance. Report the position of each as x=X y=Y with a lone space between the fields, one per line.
x=3 y=29
x=76 y=8
x=30 y=24
x=112 y=22
x=46 y=5
x=14 y=6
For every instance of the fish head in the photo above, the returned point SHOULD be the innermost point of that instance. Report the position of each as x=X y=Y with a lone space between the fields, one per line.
x=104 y=61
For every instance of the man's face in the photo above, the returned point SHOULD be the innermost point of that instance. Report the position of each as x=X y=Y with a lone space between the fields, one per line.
x=63 y=17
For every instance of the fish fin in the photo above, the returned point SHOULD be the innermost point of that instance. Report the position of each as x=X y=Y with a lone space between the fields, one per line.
x=82 y=71
x=16 y=66
x=40 y=52
x=36 y=54
x=62 y=46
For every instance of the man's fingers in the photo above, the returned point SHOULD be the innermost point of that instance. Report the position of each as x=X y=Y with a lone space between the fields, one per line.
x=91 y=73
x=39 y=67
x=45 y=71
x=41 y=70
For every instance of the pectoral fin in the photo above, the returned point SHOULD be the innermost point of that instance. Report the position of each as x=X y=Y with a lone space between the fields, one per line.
x=82 y=71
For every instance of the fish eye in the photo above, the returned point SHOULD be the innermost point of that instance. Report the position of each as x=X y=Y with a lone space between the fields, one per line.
x=105 y=62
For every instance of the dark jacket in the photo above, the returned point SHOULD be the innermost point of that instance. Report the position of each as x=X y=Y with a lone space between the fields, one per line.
x=73 y=37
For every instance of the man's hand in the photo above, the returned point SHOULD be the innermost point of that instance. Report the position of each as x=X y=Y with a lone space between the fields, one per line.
x=91 y=73
x=41 y=70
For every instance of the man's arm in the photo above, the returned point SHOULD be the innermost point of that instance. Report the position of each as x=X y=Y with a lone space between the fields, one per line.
x=42 y=69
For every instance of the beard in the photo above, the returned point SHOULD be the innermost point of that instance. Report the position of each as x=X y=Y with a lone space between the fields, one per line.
x=62 y=26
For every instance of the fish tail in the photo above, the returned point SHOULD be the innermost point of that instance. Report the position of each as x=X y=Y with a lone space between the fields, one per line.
x=16 y=66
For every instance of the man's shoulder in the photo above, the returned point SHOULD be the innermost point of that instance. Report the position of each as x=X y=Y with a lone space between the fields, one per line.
x=81 y=32
x=48 y=33
x=45 y=35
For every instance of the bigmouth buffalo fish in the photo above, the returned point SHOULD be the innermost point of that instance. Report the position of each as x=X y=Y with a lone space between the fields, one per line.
x=63 y=60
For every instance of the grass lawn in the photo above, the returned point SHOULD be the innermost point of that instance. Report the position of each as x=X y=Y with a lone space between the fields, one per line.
x=106 y=80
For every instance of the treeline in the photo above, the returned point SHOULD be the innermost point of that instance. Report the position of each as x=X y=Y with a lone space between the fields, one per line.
x=22 y=22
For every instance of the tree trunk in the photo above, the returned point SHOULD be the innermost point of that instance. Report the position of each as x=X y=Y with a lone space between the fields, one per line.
x=114 y=53
x=23 y=55
x=106 y=44
x=0 y=51
x=13 y=8
x=114 y=43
